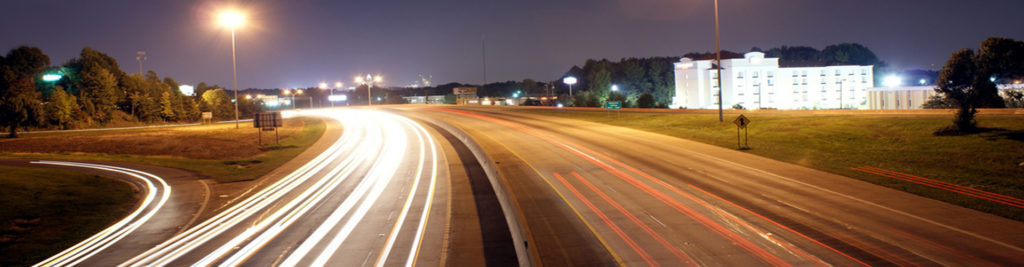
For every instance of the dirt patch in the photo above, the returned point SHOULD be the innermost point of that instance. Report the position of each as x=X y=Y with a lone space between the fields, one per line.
x=220 y=141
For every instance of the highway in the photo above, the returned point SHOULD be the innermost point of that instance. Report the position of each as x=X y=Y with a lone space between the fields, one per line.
x=592 y=194
x=376 y=196
x=155 y=193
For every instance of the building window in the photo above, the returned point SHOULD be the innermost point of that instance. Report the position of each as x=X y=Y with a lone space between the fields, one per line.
x=838 y=72
x=739 y=75
x=771 y=74
x=803 y=74
x=805 y=81
x=864 y=79
x=754 y=74
x=823 y=81
x=714 y=75
x=795 y=82
x=771 y=82
x=823 y=73
x=851 y=72
x=863 y=71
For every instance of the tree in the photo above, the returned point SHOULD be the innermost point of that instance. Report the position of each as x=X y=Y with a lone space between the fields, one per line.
x=599 y=82
x=167 y=107
x=99 y=88
x=219 y=103
x=645 y=100
x=956 y=83
x=20 y=103
x=61 y=108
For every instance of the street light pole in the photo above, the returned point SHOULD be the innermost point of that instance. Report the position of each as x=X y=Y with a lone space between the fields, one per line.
x=718 y=58
x=234 y=74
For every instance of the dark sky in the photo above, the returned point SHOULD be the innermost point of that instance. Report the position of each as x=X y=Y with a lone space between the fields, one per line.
x=302 y=42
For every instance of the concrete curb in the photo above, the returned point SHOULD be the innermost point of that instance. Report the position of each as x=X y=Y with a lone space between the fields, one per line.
x=512 y=216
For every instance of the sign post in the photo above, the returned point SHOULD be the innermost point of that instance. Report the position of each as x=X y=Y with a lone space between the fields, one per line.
x=208 y=117
x=741 y=123
x=616 y=105
x=267 y=121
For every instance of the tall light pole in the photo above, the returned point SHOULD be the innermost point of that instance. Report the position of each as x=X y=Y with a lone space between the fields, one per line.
x=368 y=81
x=718 y=59
x=336 y=85
x=569 y=81
x=233 y=19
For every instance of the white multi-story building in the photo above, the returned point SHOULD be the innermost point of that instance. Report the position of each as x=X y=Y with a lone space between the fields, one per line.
x=758 y=82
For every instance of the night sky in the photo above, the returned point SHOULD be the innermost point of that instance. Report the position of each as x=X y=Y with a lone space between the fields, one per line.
x=299 y=43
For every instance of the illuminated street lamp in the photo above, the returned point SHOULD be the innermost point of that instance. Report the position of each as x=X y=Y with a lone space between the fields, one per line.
x=615 y=88
x=369 y=81
x=52 y=77
x=233 y=19
x=569 y=81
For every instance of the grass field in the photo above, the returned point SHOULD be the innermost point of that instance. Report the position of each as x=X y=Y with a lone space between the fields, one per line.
x=836 y=143
x=44 y=211
x=218 y=151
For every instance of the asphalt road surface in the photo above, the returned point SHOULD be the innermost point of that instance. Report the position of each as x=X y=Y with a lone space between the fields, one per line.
x=376 y=197
x=593 y=194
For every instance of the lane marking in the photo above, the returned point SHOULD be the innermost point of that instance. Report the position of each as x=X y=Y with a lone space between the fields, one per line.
x=657 y=237
x=607 y=221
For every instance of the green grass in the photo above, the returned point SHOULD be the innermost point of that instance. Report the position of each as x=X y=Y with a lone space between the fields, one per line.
x=239 y=169
x=45 y=211
x=835 y=143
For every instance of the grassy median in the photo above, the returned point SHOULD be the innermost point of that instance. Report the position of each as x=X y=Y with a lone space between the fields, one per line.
x=217 y=151
x=45 y=211
x=836 y=143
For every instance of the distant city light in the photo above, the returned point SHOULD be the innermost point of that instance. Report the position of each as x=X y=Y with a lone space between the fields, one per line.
x=992 y=79
x=337 y=98
x=323 y=85
x=892 y=81
x=569 y=80
x=615 y=88
x=187 y=89
x=559 y=105
x=52 y=77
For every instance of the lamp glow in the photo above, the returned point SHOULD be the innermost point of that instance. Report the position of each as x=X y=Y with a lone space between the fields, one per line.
x=892 y=81
x=569 y=80
x=231 y=18
x=52 y=77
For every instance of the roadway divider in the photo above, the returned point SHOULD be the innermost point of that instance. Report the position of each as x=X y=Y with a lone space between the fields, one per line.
x=512 y=216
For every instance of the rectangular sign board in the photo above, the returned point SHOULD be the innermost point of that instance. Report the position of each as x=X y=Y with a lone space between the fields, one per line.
x=267 y=120
x=207 y=115
x=613 y=105
x=464 y=91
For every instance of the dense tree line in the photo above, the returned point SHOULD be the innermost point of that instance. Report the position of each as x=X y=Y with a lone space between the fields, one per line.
x=93 y=91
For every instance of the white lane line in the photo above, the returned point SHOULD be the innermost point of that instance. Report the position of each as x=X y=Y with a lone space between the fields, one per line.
x=360 y=190
x=100 y=241
x=405 y=208
x=415 y=249
x=382 y=174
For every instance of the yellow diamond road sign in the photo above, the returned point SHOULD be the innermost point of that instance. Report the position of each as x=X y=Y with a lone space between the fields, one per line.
x=741 y=121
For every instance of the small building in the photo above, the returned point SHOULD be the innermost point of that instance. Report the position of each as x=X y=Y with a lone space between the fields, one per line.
x=755 y=81
x=431 y=99
x=466 y=96
x=900 y=97
x=912 y=97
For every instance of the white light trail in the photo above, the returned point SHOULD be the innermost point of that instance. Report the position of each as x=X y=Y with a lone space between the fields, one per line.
x=157 y=195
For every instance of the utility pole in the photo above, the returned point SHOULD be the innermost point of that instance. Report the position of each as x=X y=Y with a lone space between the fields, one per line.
x=718 y=58
x=483 y=43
